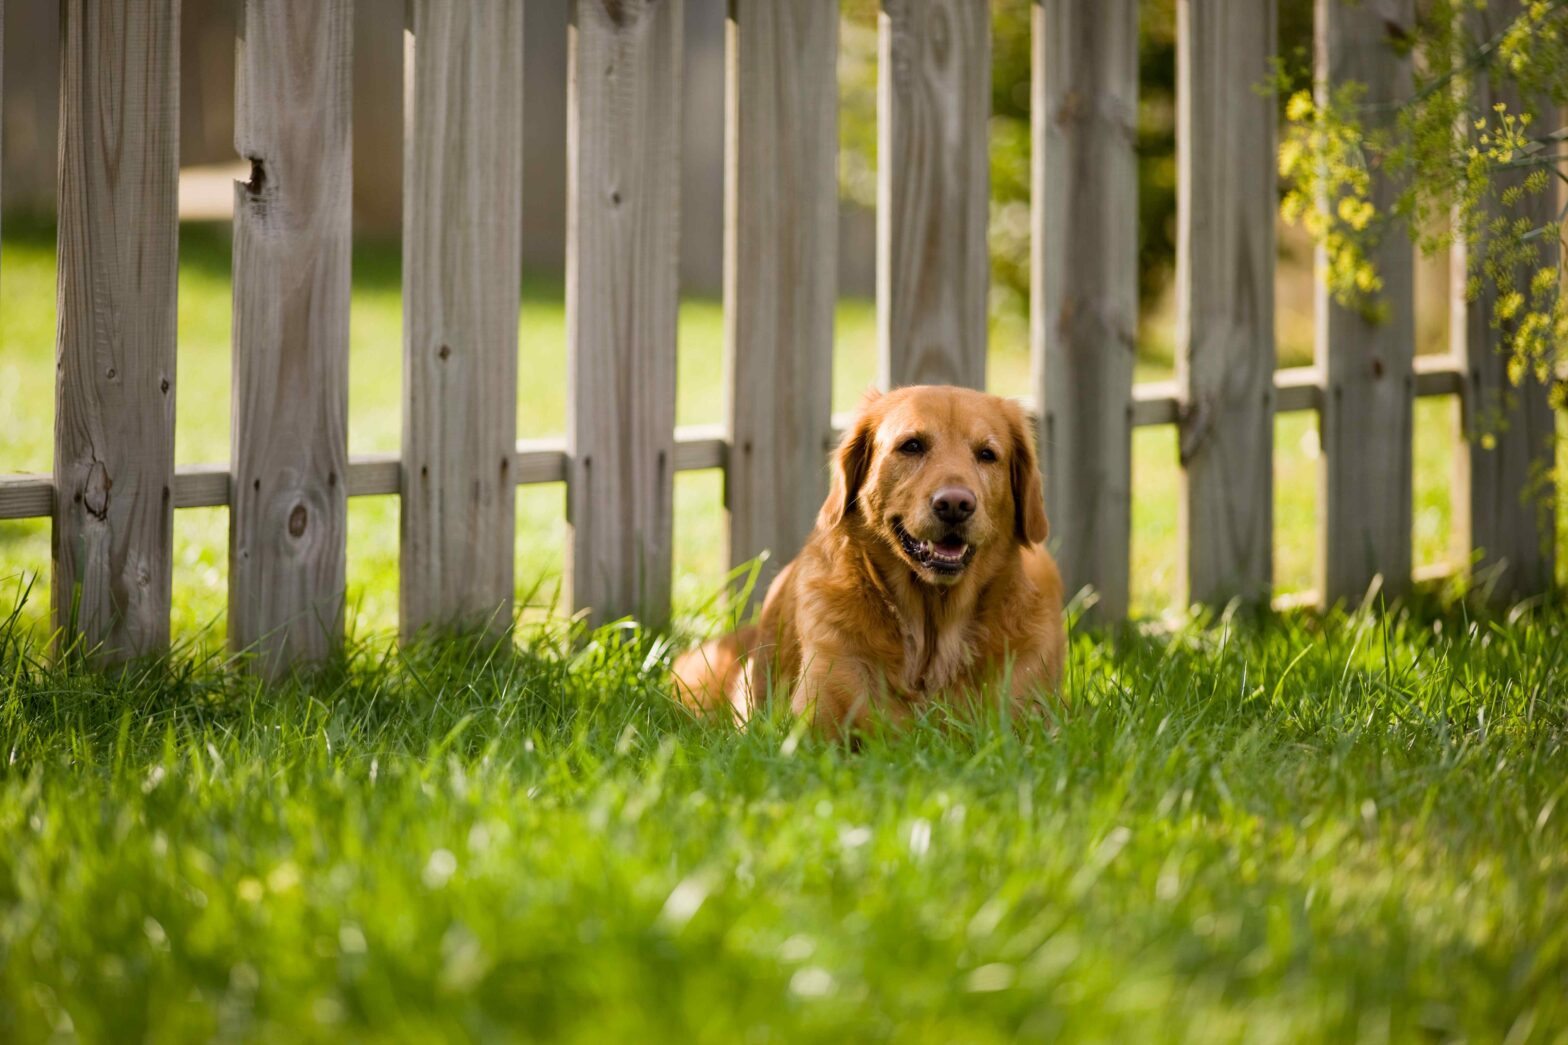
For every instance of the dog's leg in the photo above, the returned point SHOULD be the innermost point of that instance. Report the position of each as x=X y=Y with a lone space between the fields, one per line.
x=707 y=676
x=842 y=697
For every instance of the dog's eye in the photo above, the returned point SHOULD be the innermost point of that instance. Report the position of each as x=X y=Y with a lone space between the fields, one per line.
x=986 y=454
x=911 y=446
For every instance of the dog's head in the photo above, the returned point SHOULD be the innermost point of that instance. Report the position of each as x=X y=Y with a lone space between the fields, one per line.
x=946 y=477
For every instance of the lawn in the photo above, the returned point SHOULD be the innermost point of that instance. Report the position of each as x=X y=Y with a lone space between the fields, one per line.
x=1298 y=827
x=1335 y=829
x=27 y=329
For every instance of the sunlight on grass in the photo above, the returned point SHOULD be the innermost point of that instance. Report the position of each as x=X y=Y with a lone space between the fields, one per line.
x=1250 y=832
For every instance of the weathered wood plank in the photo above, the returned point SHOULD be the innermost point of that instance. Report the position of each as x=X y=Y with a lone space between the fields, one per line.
x=1085 y=285
x=201 y=486
x=1225 y=297
x=1298 y=388
x=1503 y=509
x=461 y=284
x=780 y=269
x=623 y=199
x=1366 y=477
x=288 y=523
x=933 y=191
x=702 y=446
x=118 y=243
x=26 y=496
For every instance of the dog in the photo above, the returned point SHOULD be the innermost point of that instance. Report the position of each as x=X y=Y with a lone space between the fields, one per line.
x=924 y=581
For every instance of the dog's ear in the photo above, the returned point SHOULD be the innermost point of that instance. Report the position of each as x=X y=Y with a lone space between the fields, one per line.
x=1028 y=494
x=850 y=463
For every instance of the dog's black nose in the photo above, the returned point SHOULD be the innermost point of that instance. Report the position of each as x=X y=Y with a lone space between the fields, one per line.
x=953 y=504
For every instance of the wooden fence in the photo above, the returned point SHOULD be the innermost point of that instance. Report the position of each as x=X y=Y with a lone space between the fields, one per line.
x=115 y=486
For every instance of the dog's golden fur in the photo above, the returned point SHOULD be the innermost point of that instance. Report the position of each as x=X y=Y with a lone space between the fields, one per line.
x=889 y=607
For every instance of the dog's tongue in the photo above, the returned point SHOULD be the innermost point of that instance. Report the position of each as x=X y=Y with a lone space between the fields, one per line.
x=950 y=547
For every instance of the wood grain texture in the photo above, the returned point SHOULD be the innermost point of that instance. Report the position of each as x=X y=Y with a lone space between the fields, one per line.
x=289 y=447
x=1365 y=498
x=114 y=406
x=462 y=256
x=622 y=241
x=25 y=495
x=1502 y=506
x=933 y=191
x=1226 y=199
x=780 y=267
x=1084 y=313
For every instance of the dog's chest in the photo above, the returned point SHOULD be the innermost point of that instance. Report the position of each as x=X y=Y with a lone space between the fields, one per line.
x=936 y=657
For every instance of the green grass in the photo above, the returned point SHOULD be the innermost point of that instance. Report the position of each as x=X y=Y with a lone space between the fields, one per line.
x=1296 y=830
x=27 y=329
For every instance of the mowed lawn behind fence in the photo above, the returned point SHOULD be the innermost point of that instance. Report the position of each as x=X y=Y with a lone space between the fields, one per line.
x=27 y=324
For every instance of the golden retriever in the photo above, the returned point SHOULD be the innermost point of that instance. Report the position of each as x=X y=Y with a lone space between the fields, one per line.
x=924 y=580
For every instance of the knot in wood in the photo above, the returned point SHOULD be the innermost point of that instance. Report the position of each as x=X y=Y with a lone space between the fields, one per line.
x=1064 y=318
x=95 y=497
x=297 y=519
x=1071 y=108
x=258 y=176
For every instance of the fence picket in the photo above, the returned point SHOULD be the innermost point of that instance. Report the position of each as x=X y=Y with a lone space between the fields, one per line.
x=1084 y=312
x=462 y=257
x=933 y=188
x=1503 y=505
x=1365 y=501
x=780 y=271
x=1226 y=200
x=289 y=452
x=118 y=236
x=623 y=198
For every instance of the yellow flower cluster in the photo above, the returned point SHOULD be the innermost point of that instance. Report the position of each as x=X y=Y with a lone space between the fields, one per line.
x=1450 y=168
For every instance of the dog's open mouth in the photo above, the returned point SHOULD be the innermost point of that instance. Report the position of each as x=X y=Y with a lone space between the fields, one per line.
x=947 y=555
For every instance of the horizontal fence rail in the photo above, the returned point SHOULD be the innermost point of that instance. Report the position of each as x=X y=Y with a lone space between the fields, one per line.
x=697 y=447
x=114 y=487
